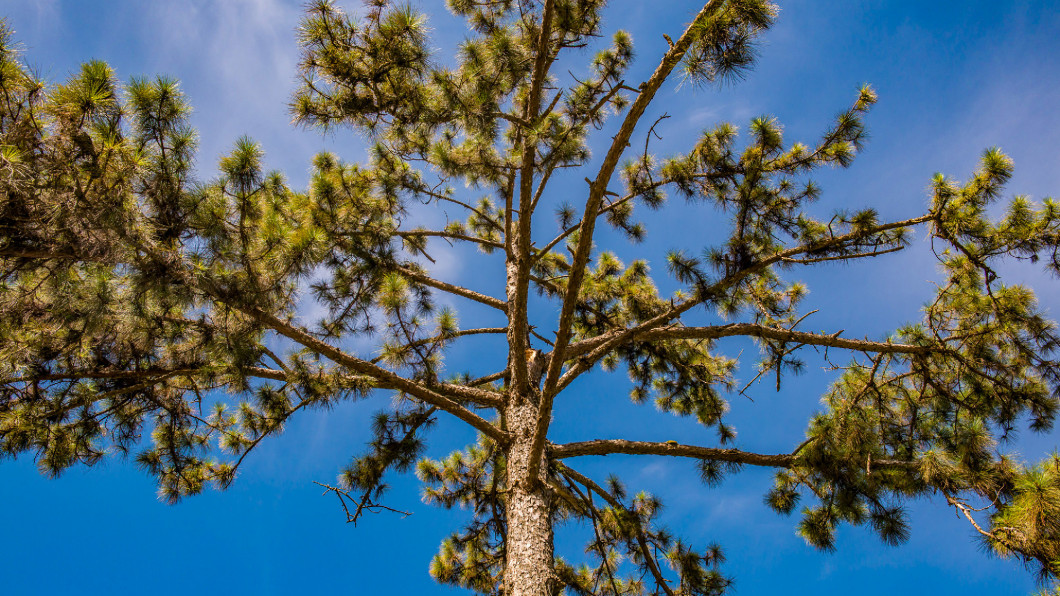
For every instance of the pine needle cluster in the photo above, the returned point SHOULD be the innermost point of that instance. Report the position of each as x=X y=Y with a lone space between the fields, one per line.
x=138 y=304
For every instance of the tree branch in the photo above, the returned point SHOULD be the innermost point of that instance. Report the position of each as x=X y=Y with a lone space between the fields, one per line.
x=518 y=273
x=254 y=371
x=602 y=344
x=452 y=289
x=437 y=338
x=674 y=449
x=860 y=255
x=597 y=192
x=454 y=236
x=384 y=376
x=753 y=330
x=613 y=502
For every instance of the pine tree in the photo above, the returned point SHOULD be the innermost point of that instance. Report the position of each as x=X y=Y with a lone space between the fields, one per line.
x=131 y=292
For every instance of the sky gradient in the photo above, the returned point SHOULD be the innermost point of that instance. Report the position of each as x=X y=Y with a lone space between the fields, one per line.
x=954 y=78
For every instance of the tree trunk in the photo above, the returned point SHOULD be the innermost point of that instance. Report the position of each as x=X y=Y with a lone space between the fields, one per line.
x=529 y=567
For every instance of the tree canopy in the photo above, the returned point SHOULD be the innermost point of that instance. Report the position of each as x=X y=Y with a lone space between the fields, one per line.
x=133 y=291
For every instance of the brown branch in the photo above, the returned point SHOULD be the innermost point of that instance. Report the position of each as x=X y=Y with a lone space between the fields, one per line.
x=511 y=118
x=268 y=432
x=518 y=269
x=611 y=206
x=597 y=192
x=566 y=233
x=674 y=449
x=487 y=379
x=442 y=197
x=649 y=559
x=595 y=518
x=452 y=289
x=470 y=393
x=753 y=330
x=389 y=379
x=860 y=255
x=265 y=373
x=437 y=338
x=452 y=235
x=100 y=374
x=40 y=254
x=966 y=511
x=602 y=344
x=363 y=505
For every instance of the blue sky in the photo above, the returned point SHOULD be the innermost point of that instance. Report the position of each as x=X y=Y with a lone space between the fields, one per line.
x=954 y=77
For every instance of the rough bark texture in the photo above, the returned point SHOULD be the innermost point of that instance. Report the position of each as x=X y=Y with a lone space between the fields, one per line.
x=529 y=569
x=529 y=566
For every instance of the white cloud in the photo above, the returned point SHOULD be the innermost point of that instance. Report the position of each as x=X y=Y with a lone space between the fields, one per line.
x=237 y=61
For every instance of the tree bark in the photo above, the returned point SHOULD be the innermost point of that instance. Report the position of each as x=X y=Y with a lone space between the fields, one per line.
x=529 y=568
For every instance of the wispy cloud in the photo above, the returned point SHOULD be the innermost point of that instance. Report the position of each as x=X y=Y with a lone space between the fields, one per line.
x=243 y=54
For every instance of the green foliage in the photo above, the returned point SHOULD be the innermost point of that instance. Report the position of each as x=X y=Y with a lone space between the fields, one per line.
x=724 y=46
x=473 y=479
x=131 y=293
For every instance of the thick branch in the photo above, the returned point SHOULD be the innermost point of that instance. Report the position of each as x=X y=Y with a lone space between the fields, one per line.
x=597 y=192
x=612 y=205
x=519 y=276
x=482 y=397
x=598 y=188
x=595 y=348
x=253 y=371
x=471 y=394
x=751 y=330
x=674 y=449
x=384 y=376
